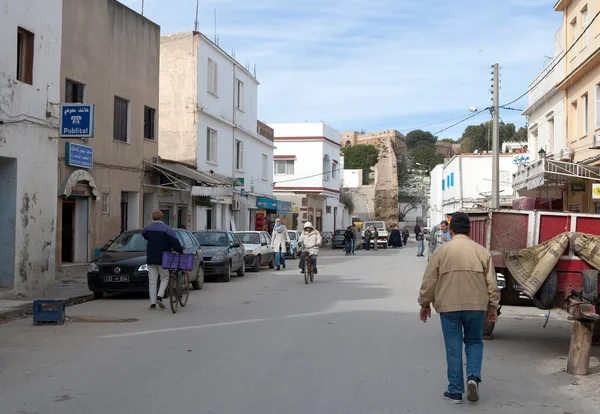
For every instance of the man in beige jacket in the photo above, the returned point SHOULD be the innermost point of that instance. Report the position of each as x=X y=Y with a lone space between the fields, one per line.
x=460 y=282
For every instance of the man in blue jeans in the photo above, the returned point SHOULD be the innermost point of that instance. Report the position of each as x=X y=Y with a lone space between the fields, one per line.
x=460 y=282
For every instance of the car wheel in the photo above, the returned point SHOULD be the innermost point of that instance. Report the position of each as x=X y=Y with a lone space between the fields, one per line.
x=98 y=295
x=227 y=276
x=241 y=272
x=256 y=266
x=199 y=282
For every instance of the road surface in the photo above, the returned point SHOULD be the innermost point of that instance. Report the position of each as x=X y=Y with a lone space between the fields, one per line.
x=268 y=344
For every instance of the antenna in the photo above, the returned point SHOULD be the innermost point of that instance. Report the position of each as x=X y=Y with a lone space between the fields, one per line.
x=142 y=7
x=196 y=21
x=216 y=39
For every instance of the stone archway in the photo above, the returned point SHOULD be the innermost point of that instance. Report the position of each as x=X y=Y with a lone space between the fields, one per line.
x=75 y=177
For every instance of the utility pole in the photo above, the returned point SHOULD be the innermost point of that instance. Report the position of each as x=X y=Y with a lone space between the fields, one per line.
x=496 y=139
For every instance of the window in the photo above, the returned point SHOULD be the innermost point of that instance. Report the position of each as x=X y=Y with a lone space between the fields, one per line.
x=334 y=168
x=584 y=99
x=598 y=106
x=265 y=167
x=574 y=37
x=284 y=167
x=326 y=168
x=239 y=95
x=149 y=122
x=74 y=91
x=211 y=145
x=106 y=204
x=239 y=155
x=213 y=75
x=574 y=121
x=584 y=26
x=551 y=136
x=25 y=44
x=121 y=121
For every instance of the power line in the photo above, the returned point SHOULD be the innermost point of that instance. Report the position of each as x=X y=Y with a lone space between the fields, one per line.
x=435 y=123
x=556 y=63
x=461 y=121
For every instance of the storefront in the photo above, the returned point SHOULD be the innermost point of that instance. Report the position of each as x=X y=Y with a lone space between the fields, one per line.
x=265 y=214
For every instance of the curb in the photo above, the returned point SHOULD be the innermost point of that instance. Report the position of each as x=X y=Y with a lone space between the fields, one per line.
x=27 y=309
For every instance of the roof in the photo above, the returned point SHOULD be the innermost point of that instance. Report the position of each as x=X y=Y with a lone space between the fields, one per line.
x=184 y=171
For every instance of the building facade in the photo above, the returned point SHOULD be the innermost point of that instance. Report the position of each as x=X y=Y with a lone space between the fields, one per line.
x=29 y=91
x=209 y=120
x=307 y=174
x=110 y=59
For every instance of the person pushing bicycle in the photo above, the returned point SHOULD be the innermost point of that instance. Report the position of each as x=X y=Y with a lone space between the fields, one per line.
x=309 y=243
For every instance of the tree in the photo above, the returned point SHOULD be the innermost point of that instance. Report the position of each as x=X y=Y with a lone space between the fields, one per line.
x=479 y=137
x=361 y=157
x=418 y=137
x=413 y=187
x=427 y=155
x=521 y=134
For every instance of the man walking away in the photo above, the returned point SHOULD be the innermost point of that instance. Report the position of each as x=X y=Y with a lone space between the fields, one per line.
x=375 y=238
x=417 y=230
x=446 y=236
x=421 y=244
x=161 y=238
x=349 y=235
x=460 y=282
x=368 y=236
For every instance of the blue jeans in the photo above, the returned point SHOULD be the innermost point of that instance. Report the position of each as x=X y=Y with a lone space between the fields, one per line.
x=313 y=258
x=420 y=248
x=348 y=246
x=453 y=324
x=353 y=245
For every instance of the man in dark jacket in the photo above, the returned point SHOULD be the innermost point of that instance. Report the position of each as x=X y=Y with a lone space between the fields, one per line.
x=417 y=230
x=161 y=238
x=349 y=236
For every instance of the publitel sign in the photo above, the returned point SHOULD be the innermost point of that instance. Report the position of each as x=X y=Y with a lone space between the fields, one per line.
x=77 y=120
x=238 y=182
x=77 y=155
x=596 y=191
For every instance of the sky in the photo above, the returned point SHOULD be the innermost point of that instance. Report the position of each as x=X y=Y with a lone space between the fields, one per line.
x=376 y=64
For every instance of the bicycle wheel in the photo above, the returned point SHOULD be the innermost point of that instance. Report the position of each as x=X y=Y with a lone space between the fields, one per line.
x=173 y=291
x=184 y=287
x=307 y=270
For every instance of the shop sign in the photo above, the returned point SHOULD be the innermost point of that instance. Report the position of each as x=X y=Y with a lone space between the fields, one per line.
x=165 y=192
x=77 y=155
x=77 y=120
x=266 y=203
x=577 y=186
x=238 y=182
x=284 y=207
x=596 y=191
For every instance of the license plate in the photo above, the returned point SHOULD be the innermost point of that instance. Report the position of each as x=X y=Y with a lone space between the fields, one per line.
x=113 y=279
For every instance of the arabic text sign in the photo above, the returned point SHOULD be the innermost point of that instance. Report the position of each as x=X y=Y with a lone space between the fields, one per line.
x=521 y=159
x=77 y=120
x=77 y=155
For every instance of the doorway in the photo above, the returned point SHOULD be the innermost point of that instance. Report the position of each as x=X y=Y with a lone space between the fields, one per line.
x=8 y=218
x=209 y=218
x=68 y=231
x=124 y=211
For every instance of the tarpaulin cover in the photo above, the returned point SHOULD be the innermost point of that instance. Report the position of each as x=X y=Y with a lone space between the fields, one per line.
x=531 y=266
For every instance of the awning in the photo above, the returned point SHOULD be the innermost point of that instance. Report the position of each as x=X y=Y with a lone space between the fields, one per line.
x=543 y=171
x=187 y=172
x=198 y=191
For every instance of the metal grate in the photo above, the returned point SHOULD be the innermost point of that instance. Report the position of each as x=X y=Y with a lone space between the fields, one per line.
x=588 y=225
x=552 y=226
x=509 y=231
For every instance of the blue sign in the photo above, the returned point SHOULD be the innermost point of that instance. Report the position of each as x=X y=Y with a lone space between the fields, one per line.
x=77 y=155
x=284 y=207
x=521 y=159
x=77 y=120
x=242 y=192
x=266 y=203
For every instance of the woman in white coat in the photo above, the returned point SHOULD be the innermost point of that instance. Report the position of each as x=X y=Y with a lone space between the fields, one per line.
x=279 y=240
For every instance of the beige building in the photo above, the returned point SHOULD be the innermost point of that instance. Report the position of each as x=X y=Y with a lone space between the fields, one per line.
x=382 y=194
x=110 y=58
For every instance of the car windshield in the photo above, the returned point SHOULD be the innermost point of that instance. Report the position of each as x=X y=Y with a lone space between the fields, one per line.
x=128 y=242
x=378 y=225
x=292 y=235
x=249 y=238
x=206 y=238
x=355 y=220
x=340 y=232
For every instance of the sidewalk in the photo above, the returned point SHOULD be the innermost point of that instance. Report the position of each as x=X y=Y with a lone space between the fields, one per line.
x=69 y=285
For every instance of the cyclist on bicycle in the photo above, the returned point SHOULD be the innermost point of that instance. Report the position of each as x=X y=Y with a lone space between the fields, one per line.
x=309 y=243
x=161 y=238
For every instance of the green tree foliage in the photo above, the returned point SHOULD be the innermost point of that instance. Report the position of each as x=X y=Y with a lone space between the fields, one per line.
x=361 y=157
x=419 y=137
x=427 y=155
x=479 y=137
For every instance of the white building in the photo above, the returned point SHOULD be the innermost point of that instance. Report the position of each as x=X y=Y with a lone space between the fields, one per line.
x=545 y=110
x=308 y=174
x=29 y=92
x=465 y=182
x=352 y=178
x=208 y=119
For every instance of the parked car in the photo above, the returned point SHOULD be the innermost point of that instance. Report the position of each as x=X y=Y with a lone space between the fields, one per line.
x=338 y=239
x=121 y=265
x=223 y=253
x=382 y=240
x=293 y=249
x=257 y=245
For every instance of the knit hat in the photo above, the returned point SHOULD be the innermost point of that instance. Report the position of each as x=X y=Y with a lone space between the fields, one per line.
x=460 y=223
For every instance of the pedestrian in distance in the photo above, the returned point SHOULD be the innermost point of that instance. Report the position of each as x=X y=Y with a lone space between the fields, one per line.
x=395 y=239
x=279 y=242
x=161 y=238
x=420 y=244
x=375 y=232
x=368 y=236
x=356 y=231
x=417 y=230
x=405 y=236
x=445 y=232
x=309 y=242
x=460 y=283
x=349 y=235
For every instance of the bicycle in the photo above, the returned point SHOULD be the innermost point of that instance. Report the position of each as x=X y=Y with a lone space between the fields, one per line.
x=178 y=287
x=308 y=269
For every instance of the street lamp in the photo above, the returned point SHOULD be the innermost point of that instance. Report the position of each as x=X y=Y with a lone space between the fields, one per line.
x=423 y=165
x=542 y=153
x=473 y=108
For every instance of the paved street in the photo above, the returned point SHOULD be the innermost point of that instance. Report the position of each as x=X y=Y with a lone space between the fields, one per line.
x=267 y=343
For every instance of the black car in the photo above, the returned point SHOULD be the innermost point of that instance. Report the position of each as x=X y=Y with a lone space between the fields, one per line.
x=121 y=265
x=223 y=253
